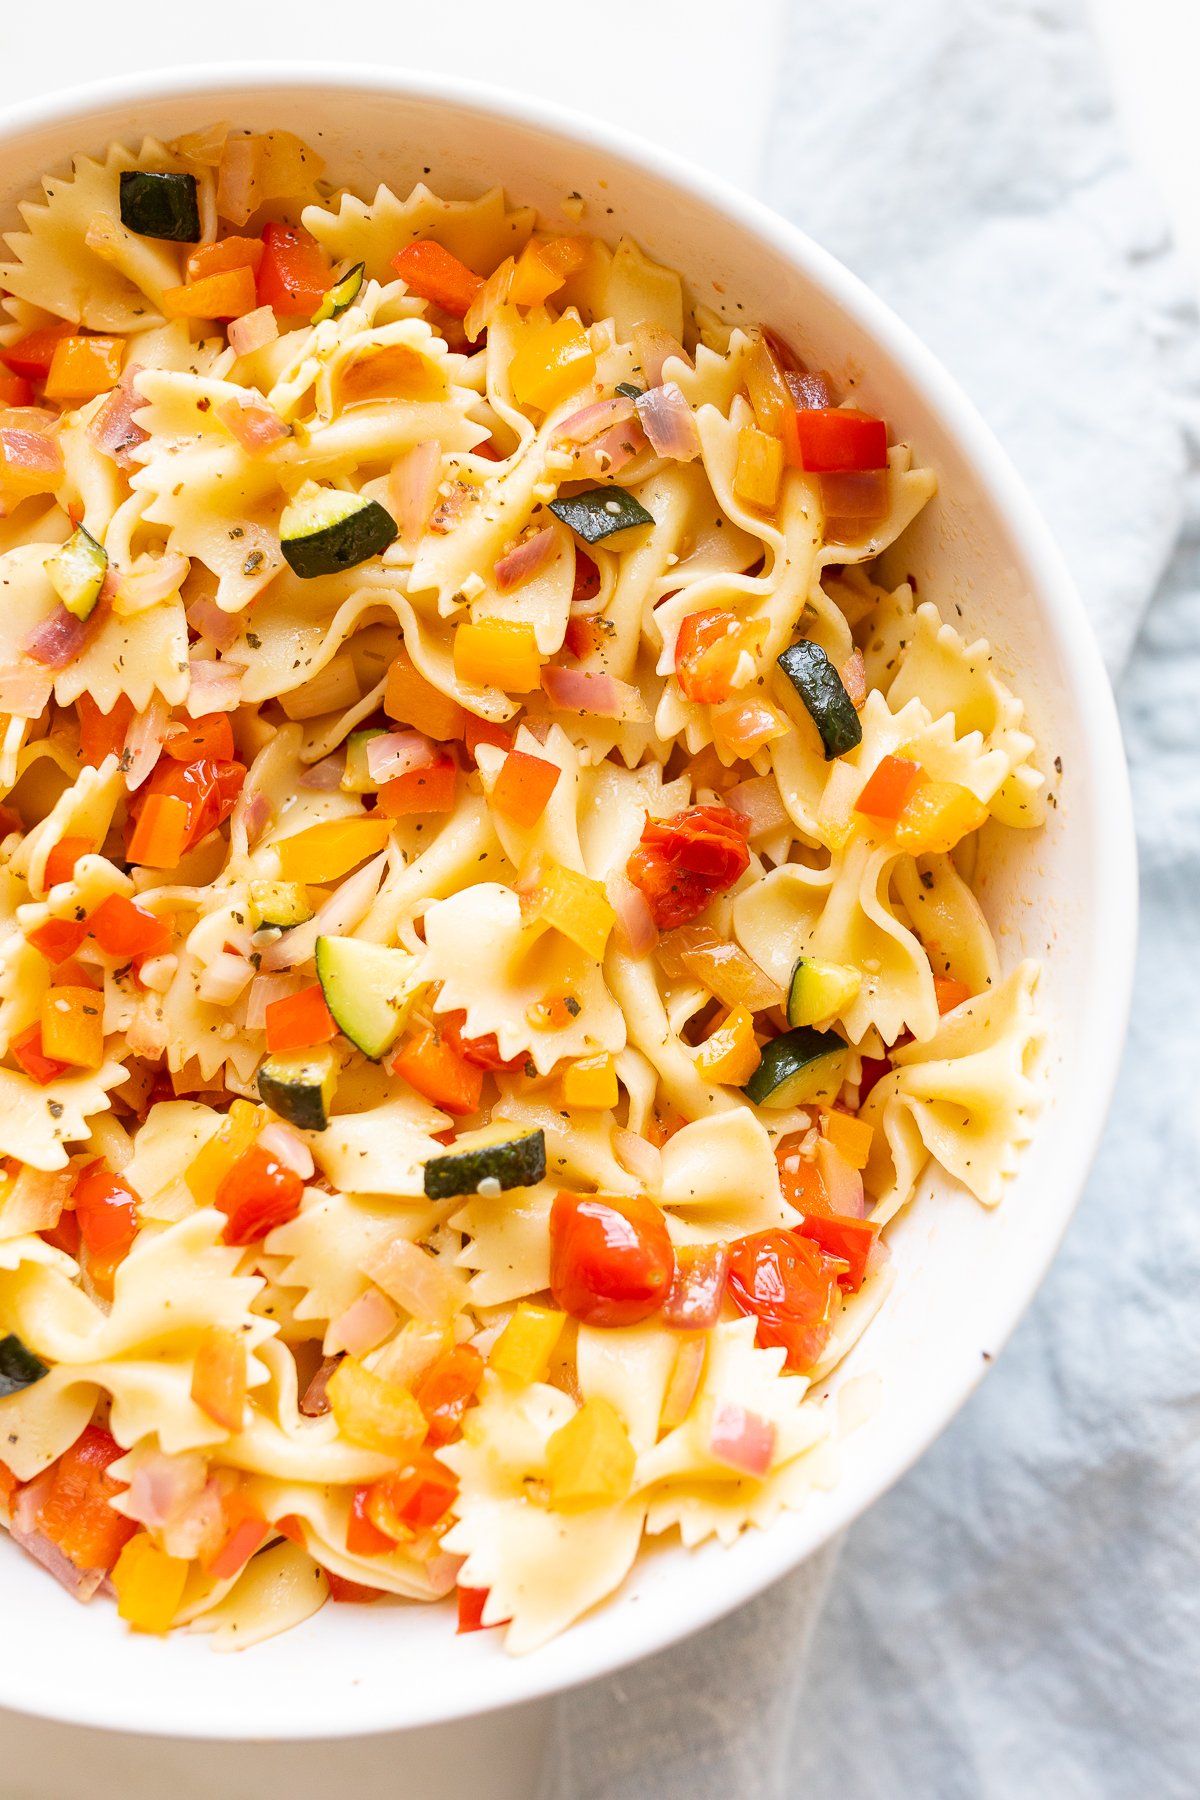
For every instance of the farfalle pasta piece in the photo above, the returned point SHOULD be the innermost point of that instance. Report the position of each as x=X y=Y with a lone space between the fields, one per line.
x=480 y=232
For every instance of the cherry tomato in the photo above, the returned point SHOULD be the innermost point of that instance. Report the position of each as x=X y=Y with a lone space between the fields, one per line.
x=791 y=1287
x=611 y=1261
x=258 y=1193
x=106 y=1208
x=209 y=788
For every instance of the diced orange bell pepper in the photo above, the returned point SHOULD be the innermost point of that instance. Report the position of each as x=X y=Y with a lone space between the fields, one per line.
x=219 y=1376
x=850 y=1137
x=572 y=903
x=482 y=731
x=298 y=1020
x=58 y=939
x=75 y=1514
x=363 y=1536
x=416 y=1498
x=293 y=276
x=32 y=355
x=83 y=367
x=15 y=390
x=524 y=786
x=160 y=834
x=411 y=700
x=543 y=266
x=433 y=273
x=429 y=790
x=707 y=651
x=324 y=852
x=228 y=294
x=149 y=1584
x=60 y=863
x=949 y=993
x=429 y=1064
x=743 y=727
x=937 y=816
x=759 y=468
x=72 y=1020
x=525 y=1346
x=888 y=788
x=729 y=1053
x=590 y=1460
x=377 y=1413
x=498 y=653
x=590 y=1084
x=226 y=253
x=123 y=928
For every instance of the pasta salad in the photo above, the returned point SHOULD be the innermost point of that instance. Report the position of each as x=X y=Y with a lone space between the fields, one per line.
x=487 y=936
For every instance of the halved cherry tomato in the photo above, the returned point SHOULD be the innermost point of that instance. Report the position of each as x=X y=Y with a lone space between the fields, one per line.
x=293 y=276
x=257 y=1194
x=208 y=786
x=707 y=651
x=791 y=1287
x=27 y=1049
x=210 y=735
x=611 y=1260
x=107 y=1210
x=681 y=862
x=75 y=1513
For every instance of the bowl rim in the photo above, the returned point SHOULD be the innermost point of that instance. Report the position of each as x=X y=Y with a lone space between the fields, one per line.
x=1114 y=852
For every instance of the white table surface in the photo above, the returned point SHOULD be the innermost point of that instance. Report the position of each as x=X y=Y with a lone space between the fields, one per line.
x=668 y=71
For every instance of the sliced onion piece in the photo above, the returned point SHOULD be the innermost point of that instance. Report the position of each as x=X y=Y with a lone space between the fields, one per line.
x=609 y=453
x=582 y=426
x=325 y=777
x=136 y=590
x=25 y=689
x=253 y=331
x=412 y=490
x=223 y=978
x=760 y=801
x=364 y=1324
x=59 y=639
x=668 y=422
x=35 y=1200
x=693 y=1302
x=741 y=1439
x=256 y=426
x=211 y=621
x=853 y=674
x=843 y=1183
x=684 y=1384
x=161 y=1487
x=398 y=753
x=582 y=691
x=144 y=741
x=113 y=430
x=654 y=346
x=81 y=1584
x=639 y=1158
x=524 y=560
x=30 y=462
x=287 y=1146
x=215 y=687
x=636 y=929
x=422 y=1284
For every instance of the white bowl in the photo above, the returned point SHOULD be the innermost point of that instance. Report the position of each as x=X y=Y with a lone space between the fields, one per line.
x=1065 y=895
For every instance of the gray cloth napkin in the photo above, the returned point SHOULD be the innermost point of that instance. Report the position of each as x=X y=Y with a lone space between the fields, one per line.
x=1019 y=1617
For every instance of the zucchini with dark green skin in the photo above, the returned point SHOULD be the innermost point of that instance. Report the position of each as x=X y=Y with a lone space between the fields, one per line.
x=629 y=389
x=280 y=904
x=160 y=205
x=77 y=570
x=514 y=1161
x=825 y=699
x=19 y=1367
x=324 y=531
x=600 y=513
x=342 y=294
x=299 y=1086
x=797 y=1068
x=368 y=989
x=820 y=990
x=357 y=776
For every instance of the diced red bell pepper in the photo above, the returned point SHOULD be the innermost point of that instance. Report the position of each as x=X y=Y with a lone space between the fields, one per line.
x=432 y=273
x=351 y=1593
x=428 y=790
x=60 y=863
x=611 y=1260
x=208 y=786
x=15 y=390
x=107 y=1210
x=123 y=928
x=32 y=355
x=58 y=939
x=481 y=1052
x=413 y=1499
x=482 y=731
x=27 y=1049
x=524 y=786
x=585 y=635
x=293 y=276
x=949 y=993
x=102 y=734
x=827 y=439
x=75 y=1513
x=431 y=1065
x=258 y=1193
x=362 y=1537
x=298 y=1020
x=245 y=1529
x=471 y=1602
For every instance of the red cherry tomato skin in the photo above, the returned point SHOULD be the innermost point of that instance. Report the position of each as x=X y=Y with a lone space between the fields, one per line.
x=787 y=1283
x=257 y=1194
x=611 y=1260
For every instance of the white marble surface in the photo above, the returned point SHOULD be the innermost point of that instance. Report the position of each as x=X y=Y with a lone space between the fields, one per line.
x=667 y=70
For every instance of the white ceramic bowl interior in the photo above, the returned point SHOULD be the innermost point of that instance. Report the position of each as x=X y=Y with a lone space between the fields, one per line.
x=1065 y=895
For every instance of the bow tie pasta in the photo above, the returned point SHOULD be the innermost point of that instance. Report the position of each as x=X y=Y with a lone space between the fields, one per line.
x=488 y=924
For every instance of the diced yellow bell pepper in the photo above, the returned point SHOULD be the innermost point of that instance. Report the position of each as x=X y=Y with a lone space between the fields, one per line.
x=936 y=816
x=214 y=1159
x=552 y=362
x=730 y=1054
x=332 y=848
x=572 y=903
x=149 y=1584
x=525 y=1346
x=849 y=1136
x=374 y=1412
x=759 y=468
x=590 y=1460
x=73 y=1026
x=590 y=1084
x=543 y=266
x=498 y=653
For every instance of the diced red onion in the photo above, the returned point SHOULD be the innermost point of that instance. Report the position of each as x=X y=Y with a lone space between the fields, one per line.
x=263 y=991
x=668 y=422
x=162 y=1488
x=653 y=346
x=223 y=978
x=582 y=426
x=144 y=741
x=636 y=929
x=808 y=390
x=252 y=331
x=113 y=430
x=340 y=914
x=363 y=1325
x=81 y=1584
x=843 y=1183
x=518 y=564
x=25 y=689
x=59 y=639
x=315 y=1402
x=288 y=1147
x=398 y=753
x=35 y=1200
x=854 y=679
x=29 y=1500
x=638 y=1157
x=855 y=496
x=257 y=427
x=684 y=1383
x=412 y=489
x=580 y=690
x=255 y=814
x=422 y=1284
x=760 y=801
x=693 y=1302
x=742 y=1439
x=211 y=621
x=443 y=1571
x=214 y=687
x=325 y=777
x=30 y=453
x=199 y=1528
x=609 y=454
